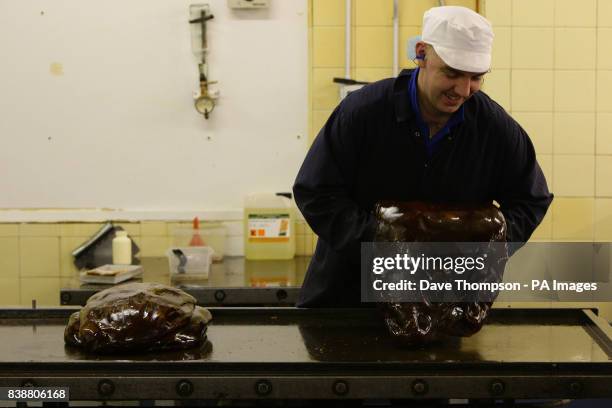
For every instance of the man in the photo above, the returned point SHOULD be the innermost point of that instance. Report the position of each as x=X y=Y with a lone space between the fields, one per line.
x=427 y=135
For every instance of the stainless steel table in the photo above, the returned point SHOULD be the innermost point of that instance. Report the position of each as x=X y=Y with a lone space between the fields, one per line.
x=233 y=282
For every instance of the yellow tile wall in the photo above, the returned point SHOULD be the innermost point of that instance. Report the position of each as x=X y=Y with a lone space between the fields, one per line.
x=44 y=290
x=39 y=230
x=373 y=13
x=604 y=39
x=527 y=13
x=79 y=229
x=546 y=164
x=575 y=48
x=154 y=229
x=133 y=228
x=319 y=117
x=604 y=83
x=502 y=56
x=498 y=83
x=560 y=78
x=603 y=220
x=530 y=90
x=39 y=257
x=532 y=48
x=556 y=93
x=324 y=90
x=574 y=91
x=328 y=12
x=603 y=138
x=574 y=175
x=604 y=13
x=327 y=60
x=568 y=13
x=35 y=257
x=561 y=74
x=539 y=126
x=9 y=257
x=569 y=124
x=373 y=74
x=330 y=52
x=9 y=291
x=544 y=230
x=573 y=219
x=603 y=170
x=499 y=12
x=9 y=230
x=373 y=46
x=67 y=245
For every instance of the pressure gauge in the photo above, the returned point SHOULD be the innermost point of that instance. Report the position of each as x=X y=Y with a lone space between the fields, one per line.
x=204 y=105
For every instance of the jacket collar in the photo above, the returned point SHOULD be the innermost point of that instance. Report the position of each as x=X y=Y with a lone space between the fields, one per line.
x=403 y=106
x=401 y=98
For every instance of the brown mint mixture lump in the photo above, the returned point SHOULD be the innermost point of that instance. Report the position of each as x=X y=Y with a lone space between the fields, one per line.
x=138 y=317
x=414 y=323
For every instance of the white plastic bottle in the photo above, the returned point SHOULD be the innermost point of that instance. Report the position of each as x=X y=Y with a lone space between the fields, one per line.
x=122 y=249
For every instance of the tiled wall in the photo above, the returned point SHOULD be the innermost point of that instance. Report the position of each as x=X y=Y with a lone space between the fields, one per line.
x=36 y=260
x=552 y=70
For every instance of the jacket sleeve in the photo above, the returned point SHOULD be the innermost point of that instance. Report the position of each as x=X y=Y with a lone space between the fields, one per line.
x=324 y=183
x=523 y=196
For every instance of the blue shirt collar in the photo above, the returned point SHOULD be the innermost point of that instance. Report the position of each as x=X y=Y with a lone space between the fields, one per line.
x=455 y=119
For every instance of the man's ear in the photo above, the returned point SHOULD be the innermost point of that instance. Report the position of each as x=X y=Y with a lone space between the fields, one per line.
x=419 y=49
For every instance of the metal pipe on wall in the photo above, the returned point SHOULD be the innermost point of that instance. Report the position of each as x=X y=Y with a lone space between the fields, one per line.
x=347 y=41
x=395 y=37
x=348 y=37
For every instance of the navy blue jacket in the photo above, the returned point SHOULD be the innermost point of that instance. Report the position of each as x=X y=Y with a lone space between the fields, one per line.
x=370 y=149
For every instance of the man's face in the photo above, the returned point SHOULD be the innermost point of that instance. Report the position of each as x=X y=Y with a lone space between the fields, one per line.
x=445 y=89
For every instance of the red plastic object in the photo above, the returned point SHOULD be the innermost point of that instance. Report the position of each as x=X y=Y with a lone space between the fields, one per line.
x=196 y=239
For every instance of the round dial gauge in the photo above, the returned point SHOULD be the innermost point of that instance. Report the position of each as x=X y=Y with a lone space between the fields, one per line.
x=204 y=105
